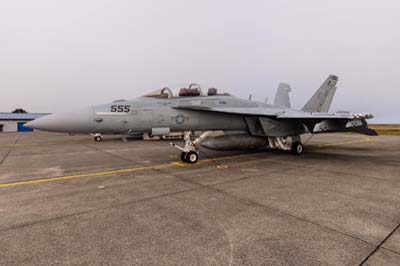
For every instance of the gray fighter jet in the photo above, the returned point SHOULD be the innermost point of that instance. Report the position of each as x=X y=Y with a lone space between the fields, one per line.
x=246 y=124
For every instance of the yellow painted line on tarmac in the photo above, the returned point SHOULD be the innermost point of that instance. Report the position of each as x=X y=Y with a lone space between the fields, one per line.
x=110 y=172
x=101 y=173
x=180 y=164
x=346 y=142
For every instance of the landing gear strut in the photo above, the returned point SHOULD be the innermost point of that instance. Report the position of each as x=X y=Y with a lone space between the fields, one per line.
x=190 y=152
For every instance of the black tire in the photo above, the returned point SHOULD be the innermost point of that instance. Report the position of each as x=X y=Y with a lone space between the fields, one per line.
x=98 y=138
x=192 y=157
x=297 y=148
x=183 y=157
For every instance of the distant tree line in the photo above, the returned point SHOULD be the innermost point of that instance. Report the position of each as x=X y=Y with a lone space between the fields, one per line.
x=19 y=111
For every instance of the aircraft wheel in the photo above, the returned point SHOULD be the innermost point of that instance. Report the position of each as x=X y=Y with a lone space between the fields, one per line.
x=297 y=148
x=192 y=157
x=183 y=157
x=98 y=138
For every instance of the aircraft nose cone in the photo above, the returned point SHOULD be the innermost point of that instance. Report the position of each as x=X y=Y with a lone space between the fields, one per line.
x=79 y=121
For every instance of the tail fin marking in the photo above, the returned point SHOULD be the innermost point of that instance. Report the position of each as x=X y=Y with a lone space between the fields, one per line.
x=321 y=101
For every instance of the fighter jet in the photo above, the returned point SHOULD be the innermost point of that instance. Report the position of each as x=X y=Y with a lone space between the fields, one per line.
x=245 y=123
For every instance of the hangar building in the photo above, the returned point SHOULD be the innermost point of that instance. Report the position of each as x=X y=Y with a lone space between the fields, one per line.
x=13 y=122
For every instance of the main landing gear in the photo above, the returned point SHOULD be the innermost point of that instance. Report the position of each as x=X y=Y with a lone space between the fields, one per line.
x=281 y=143
x=190 y=152
x=189 y=157
x=297 y=148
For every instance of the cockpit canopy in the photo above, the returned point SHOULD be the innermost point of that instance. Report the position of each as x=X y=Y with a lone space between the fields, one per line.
x=191 y=90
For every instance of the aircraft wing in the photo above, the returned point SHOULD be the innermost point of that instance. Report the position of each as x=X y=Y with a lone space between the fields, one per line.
x=233 y=110
x=284 y=122
x=269 y=112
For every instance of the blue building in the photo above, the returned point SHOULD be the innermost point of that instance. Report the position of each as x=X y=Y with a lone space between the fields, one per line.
x=14 y=122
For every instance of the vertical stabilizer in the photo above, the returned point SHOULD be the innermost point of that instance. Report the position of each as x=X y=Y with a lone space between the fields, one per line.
x=282 y=95
x=322 y=99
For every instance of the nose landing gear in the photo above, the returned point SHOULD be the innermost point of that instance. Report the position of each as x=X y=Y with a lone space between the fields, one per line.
x=97 y=137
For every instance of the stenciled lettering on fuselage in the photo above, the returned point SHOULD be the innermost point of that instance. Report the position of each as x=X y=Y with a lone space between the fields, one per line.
x=120 y=108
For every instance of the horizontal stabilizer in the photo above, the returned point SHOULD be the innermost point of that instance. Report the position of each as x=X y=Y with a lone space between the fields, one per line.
x=365 y=131
x=355 y=125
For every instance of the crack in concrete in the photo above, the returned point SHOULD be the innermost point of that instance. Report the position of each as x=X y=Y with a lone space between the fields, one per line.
x=380 y=245
x=10 y=150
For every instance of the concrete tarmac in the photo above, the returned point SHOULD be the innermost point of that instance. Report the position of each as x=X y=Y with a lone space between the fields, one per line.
x=67 y=200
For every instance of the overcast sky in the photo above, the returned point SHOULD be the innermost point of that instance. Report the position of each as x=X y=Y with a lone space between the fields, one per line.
x=60 y=55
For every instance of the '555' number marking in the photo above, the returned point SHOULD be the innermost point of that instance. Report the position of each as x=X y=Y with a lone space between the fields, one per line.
x=120 y=108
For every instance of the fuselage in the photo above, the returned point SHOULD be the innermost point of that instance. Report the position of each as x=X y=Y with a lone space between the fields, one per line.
x=147 y=114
